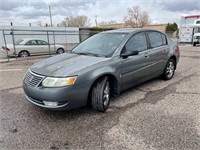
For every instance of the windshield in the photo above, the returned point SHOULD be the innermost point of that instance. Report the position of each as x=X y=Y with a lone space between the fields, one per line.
x=103 y=44
x=18 y=41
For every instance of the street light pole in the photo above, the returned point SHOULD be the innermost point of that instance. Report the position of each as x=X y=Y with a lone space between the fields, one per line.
x=50 y=16
x=96 y=20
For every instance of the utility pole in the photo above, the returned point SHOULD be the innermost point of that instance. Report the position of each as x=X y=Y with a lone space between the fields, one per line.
x=96 y=20
x=50 y=16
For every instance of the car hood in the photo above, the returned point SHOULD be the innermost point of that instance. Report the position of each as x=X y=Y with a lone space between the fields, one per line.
x=65 y=64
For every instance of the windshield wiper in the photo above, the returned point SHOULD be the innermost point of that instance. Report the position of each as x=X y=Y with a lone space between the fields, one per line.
x=91 y=54
x=71 y=52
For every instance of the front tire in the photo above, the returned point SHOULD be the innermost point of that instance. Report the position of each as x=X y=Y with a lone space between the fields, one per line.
x=169 y=70
x=194 y=44
x=100 y=96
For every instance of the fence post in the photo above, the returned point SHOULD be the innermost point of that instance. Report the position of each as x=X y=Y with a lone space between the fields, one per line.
x=66 y=39
x=48 y=43
x=4 y=37
x=13 y=40
x=54 y=41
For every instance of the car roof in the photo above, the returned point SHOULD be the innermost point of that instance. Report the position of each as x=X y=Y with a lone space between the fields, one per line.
x=127 y=30
x=27 y=39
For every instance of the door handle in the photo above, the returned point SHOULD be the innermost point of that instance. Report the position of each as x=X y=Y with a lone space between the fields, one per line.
x=146 y=55
x=165 y=50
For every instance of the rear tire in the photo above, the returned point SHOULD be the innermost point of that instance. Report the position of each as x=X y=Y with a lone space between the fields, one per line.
x=169 y=70
x=194 y=44
x=60 y=51
x=100 y=96
x=24 y=53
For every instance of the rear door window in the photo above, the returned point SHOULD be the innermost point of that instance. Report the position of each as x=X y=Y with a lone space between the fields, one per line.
x=137 y=42
x=40 y=42
x=31 y=42
x=155 y=39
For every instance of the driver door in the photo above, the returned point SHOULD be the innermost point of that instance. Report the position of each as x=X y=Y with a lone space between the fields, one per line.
x=135 y=68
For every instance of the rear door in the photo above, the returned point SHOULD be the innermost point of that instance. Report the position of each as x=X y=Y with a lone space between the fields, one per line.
x=159 y=50
x=135 y=68
x=43 y=45
x=32 y=47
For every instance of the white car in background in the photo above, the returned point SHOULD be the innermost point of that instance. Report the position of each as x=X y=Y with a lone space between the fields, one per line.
x=196 y=39
x=29 y=46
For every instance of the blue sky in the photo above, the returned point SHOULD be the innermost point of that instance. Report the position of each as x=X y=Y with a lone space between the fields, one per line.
x=24 y=12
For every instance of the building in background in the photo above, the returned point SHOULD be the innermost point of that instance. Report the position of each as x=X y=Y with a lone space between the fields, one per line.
x=159 y=27
x=189 y=25
x=114 y=25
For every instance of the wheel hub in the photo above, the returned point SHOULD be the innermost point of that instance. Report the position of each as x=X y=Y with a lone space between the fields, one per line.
x=106 y=94
x=170 y=69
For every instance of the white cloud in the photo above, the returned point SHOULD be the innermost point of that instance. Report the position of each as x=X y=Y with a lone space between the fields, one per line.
x=24 y=11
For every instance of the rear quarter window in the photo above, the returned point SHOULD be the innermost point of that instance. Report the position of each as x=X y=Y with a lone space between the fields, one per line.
x=164 y=39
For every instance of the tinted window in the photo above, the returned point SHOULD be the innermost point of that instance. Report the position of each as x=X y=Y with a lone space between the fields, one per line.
x=155 y=39
x=40 y=42
x=31 y=42
x=137 y=42
x=164 y=40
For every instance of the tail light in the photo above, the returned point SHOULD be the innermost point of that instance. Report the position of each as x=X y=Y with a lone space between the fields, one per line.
x=177 y=49
x=5 y=48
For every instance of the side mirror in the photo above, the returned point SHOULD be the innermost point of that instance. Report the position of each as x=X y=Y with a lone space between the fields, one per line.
x=125 y=54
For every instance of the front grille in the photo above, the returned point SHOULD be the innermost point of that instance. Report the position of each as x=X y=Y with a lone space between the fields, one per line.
x=33 y=79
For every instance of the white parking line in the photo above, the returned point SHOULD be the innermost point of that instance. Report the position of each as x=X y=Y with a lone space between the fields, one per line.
x=4 y=70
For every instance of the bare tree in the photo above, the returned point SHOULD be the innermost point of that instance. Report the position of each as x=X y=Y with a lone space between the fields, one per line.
x=75 y=21
x=136 y=17
x=39 y=23
x=63 y=23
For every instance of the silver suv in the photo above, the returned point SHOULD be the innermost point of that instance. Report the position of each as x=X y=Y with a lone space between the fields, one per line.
x=100 y=67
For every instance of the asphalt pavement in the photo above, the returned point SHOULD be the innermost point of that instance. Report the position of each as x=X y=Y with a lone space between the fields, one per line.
x=157 y=115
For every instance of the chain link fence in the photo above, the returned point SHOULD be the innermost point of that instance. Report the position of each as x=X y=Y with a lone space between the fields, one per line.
x=37 y=42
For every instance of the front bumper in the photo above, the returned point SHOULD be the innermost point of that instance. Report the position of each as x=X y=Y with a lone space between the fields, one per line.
x=42 y=104
x=66 y=97
x=197 y=41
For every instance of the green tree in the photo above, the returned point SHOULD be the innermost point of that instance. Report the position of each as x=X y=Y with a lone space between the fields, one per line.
x=172 y=27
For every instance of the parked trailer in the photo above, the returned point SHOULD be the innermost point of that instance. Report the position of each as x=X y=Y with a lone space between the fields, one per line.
x=188 y=27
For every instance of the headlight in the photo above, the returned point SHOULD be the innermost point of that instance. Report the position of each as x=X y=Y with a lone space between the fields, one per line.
x=58 y=82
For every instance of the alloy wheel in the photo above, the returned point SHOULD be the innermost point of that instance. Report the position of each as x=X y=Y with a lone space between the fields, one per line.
x=106 y=94
x=170 y=70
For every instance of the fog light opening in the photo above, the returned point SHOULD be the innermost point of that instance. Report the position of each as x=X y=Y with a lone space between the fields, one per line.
x=51 y=104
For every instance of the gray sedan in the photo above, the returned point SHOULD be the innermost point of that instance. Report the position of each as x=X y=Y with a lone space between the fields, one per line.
x=100 y=67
